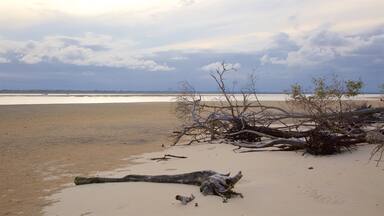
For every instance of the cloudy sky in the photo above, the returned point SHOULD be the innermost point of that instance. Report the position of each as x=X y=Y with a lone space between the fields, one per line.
x=152 y=45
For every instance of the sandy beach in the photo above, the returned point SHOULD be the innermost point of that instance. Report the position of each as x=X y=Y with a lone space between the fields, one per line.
x=43 y=147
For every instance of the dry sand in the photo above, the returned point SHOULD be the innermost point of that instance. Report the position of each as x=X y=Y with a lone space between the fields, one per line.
x=42 y=147
x=274 y=183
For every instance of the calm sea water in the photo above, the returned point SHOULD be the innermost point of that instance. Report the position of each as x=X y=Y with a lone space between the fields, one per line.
x=19 y=99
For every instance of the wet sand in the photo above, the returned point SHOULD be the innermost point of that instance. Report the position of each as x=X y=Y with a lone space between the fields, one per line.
x=42 y=147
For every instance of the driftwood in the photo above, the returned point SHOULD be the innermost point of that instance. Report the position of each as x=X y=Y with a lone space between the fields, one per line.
x=210 y=182
x=325 y=122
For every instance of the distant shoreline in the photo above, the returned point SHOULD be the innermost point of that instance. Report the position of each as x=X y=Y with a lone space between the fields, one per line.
x=81 y=98
x=43 y=92
x=113 y=92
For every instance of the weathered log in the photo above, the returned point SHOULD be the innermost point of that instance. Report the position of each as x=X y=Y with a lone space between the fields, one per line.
x=210 y=182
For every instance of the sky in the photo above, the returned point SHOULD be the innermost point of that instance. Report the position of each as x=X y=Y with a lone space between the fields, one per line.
x=154 y=45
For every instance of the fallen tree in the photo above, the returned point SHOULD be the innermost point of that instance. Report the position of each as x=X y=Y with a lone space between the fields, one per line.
x=210 y=182
x=321 y=123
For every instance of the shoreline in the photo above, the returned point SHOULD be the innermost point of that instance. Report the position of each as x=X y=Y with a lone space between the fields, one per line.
x=62 y=99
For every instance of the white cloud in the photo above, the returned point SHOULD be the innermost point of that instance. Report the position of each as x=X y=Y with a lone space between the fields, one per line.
x=89 y=50
x=217 y=65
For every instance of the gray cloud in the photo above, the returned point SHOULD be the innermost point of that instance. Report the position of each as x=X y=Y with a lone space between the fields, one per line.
x=323 y=46
x=278 y=51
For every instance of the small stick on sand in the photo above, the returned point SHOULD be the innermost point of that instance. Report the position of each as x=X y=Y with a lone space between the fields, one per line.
x=167 y=157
